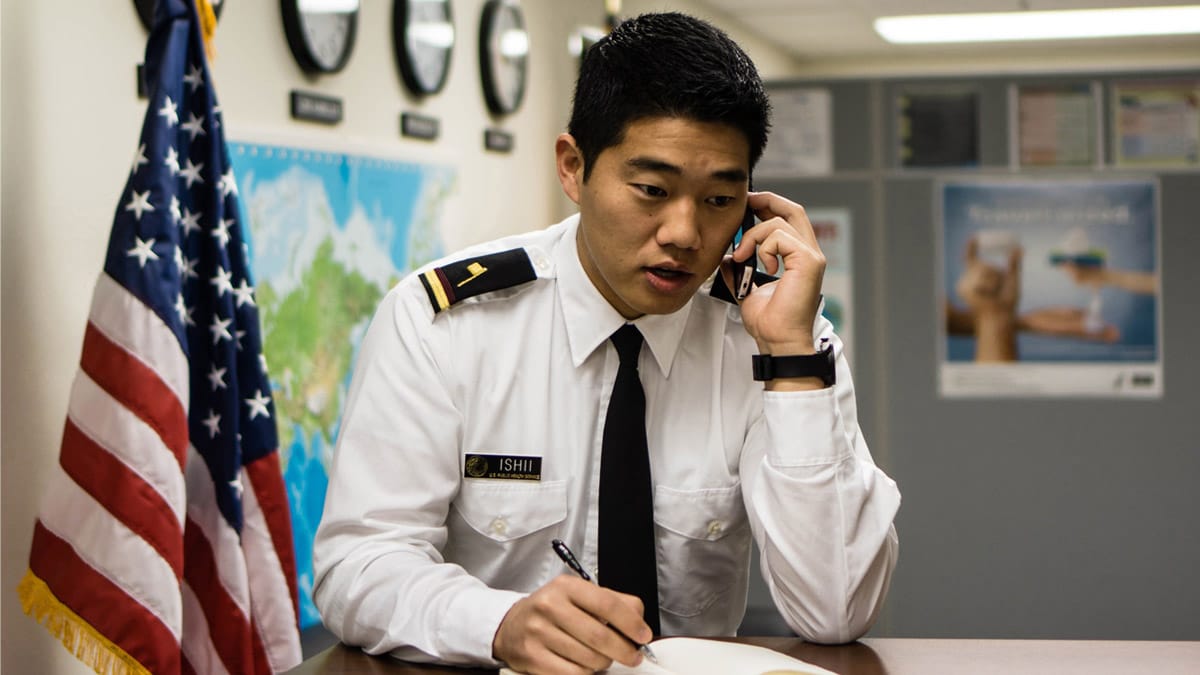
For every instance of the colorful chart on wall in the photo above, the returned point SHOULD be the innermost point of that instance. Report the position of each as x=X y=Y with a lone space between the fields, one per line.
x=1157 y=123
x=329 y=233
x=1050 y=288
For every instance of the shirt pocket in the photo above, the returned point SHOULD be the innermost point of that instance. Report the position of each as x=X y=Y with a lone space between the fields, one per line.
x=703 y=546
x=497 y=528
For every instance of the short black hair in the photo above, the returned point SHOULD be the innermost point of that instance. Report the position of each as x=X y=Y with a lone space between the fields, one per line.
x=666 y=65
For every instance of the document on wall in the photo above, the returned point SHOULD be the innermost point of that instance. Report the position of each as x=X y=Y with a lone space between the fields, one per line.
x=937 y=128
x=1056 y=124
x=801 y=133
x=697 y=656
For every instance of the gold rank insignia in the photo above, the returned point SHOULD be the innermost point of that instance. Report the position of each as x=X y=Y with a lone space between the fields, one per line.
x=456 y=281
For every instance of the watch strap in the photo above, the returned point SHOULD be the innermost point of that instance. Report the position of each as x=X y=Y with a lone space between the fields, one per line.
x=820 y=365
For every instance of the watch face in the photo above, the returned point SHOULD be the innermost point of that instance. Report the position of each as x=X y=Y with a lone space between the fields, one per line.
x=503 y=54
x=423 y=35
x=145 y=9
x=320 y=32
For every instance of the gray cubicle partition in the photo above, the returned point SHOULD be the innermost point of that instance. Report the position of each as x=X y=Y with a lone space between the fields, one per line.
x=1022 y=518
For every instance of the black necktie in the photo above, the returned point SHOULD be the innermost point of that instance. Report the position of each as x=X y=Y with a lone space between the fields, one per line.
x=626 y=555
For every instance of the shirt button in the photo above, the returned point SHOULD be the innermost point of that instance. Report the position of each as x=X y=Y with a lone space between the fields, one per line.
x=715 y=528
x=500 y=526
x=539 y=260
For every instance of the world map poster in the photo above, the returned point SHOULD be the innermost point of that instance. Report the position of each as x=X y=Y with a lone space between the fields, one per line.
x=328 y=232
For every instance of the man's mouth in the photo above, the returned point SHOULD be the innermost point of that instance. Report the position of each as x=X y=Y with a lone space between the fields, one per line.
x=668 y=272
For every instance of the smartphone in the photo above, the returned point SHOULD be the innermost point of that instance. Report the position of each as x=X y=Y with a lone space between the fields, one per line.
x=743 y=272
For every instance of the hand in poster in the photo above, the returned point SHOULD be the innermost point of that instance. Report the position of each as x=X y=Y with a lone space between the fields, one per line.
x=992 y=294
x=1065 y=322
x=1145 y=283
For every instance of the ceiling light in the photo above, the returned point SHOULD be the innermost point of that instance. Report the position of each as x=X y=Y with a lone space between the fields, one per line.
x=1027 y=25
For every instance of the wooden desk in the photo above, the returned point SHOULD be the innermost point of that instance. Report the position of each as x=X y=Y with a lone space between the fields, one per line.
x=886 y=656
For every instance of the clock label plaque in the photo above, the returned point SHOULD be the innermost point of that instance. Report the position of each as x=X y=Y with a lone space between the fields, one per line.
x=497 y=140
x=413 y=125
x=316 y=108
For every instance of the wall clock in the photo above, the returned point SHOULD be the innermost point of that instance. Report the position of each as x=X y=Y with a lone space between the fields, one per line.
x=320 y=33
x=423 y=38
x=503 y=55
x=145 y=10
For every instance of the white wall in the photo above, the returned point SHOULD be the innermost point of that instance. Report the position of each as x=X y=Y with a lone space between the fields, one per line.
x=70 y=123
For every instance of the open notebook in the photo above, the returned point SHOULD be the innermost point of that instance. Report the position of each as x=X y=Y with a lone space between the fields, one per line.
x=696 y=656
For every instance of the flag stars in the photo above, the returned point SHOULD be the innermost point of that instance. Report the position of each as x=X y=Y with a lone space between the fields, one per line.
x=191 y=173
x=220 y=329
x=245 y=294
x=194 y=126
x=143 y=251
x=175 y=215
x=223 y=281
x=236 y=484
x=213 y=422
x=172 y=160
x=190 y=221
x=184 y=312
x=237 y=336
x=258 y=404
x=262 y=362
x=139 y=159
x=189 y=269
x=227 y=184
x=139 y=204
x=221 y=232
x=194 y=77
x=216 y=377
x=170 y=112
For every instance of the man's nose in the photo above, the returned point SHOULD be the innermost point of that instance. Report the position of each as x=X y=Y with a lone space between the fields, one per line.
x=679 y=227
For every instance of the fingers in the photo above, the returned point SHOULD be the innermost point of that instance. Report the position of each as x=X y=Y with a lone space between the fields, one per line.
x=565 y=627
x=972 y=252
x=785 y=229
x=1014 y=261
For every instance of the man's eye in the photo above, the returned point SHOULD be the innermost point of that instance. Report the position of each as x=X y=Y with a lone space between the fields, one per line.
x=721 y=201
x=652 y=191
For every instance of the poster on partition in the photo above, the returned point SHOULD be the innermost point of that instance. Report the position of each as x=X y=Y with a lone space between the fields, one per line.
x=1157 y=123
x=1049 y=288
x=329 y=232
x=833 y=229
x=1057 y=124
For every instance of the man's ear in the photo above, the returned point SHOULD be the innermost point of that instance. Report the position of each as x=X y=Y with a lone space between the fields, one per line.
x=569 y=162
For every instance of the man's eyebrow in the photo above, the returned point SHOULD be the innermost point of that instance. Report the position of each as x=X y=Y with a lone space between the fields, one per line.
x=651 y=164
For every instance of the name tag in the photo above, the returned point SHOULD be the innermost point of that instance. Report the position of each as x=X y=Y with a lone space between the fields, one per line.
x=503 y=467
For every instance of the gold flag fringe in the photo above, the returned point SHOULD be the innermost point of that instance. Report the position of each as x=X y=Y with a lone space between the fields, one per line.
x=208 y=26
x=88 y=645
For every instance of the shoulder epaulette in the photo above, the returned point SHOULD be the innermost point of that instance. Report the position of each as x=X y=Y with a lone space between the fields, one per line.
x=456 y=281
x=721 y=292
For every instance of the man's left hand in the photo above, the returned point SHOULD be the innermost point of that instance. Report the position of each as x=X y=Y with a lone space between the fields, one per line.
x=780 y=315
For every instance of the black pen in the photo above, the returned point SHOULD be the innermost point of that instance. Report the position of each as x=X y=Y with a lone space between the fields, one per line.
x=569 y=558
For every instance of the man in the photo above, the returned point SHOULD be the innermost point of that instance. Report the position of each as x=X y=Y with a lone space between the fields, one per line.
x=476 y=432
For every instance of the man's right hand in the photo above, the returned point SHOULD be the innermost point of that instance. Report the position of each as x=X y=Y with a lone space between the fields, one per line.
x=570 y=627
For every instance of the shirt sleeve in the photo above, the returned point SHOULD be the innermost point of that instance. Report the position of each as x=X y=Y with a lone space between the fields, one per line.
x=821 y=510
x=381 y=582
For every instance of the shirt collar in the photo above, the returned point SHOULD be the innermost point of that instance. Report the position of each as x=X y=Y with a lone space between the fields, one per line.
x=590 y=320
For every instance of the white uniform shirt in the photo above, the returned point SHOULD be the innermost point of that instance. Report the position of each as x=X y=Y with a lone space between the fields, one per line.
x=413 y=558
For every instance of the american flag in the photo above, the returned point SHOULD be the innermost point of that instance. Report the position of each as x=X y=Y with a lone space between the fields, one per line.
x=163 y=544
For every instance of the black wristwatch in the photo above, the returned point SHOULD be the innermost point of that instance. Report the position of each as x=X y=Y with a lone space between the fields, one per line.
x=821 y=364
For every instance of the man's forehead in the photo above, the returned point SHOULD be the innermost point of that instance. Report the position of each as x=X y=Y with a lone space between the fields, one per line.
x=673 y=144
